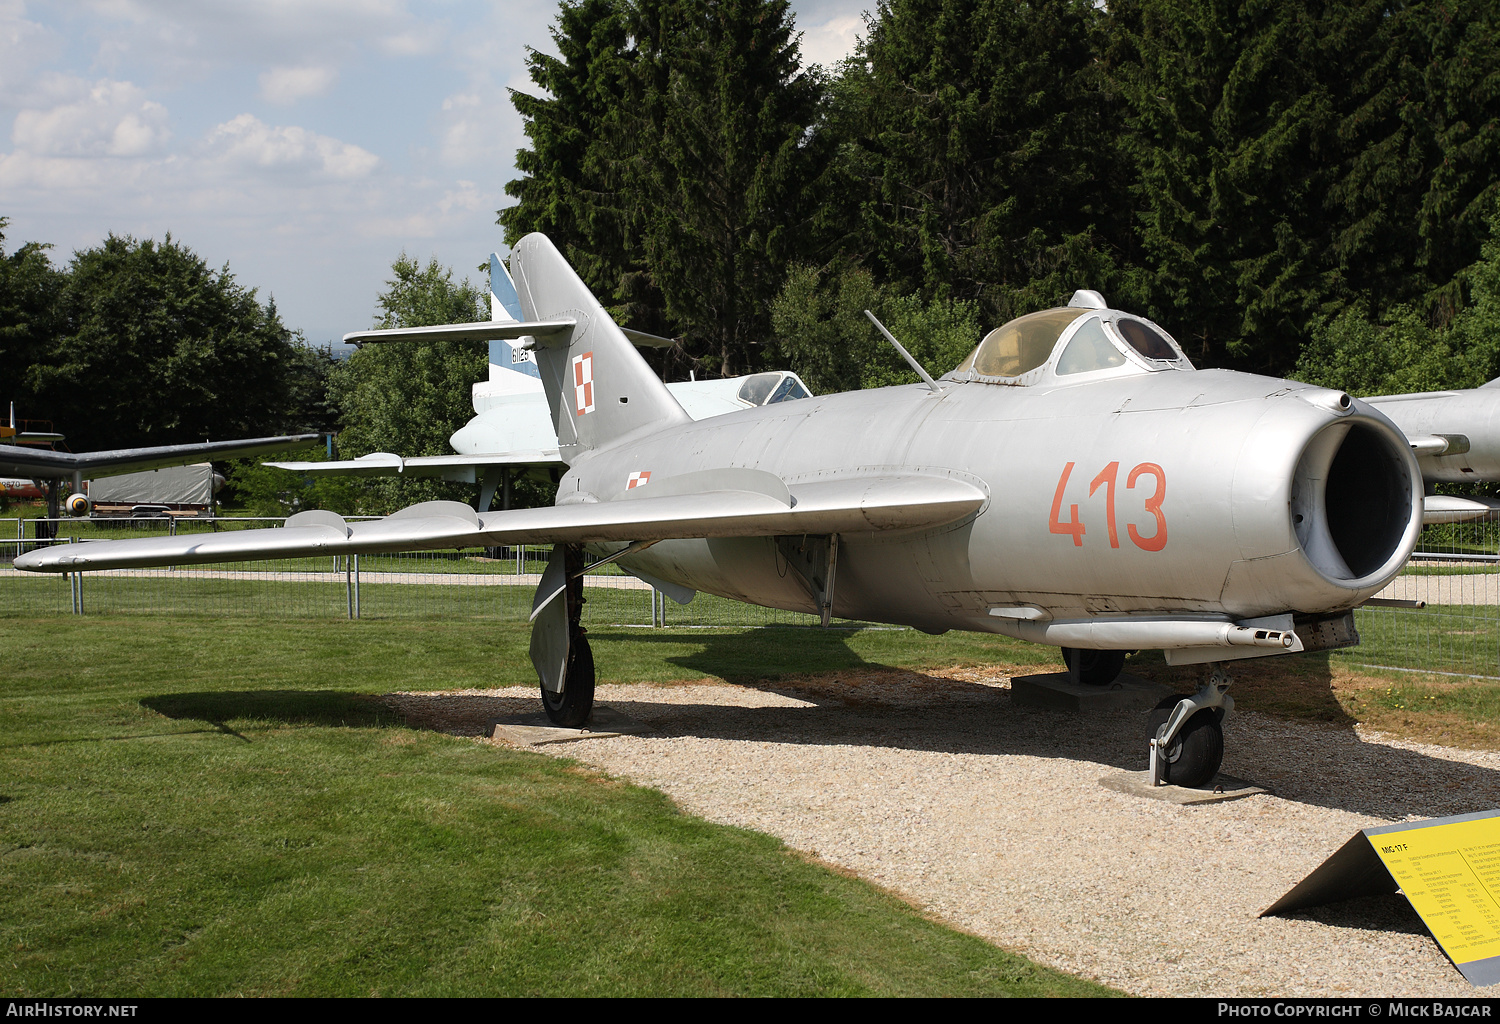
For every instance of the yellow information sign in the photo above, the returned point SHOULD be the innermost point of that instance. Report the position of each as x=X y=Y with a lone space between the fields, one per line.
x=1451 y=875
x=1448 y=868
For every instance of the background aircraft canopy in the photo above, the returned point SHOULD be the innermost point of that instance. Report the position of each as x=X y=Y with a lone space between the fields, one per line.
x=771 y=387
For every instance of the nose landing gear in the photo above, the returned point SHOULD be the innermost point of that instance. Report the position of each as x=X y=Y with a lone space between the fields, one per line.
x=1187 y=736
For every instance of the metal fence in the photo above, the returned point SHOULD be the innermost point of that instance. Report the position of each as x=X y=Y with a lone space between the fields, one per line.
x=472 y=582
x=1455 y=571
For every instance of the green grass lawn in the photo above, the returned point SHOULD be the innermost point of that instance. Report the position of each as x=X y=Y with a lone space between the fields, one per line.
x=198 y=806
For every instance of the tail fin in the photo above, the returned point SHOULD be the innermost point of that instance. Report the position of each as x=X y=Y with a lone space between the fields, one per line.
x=507 y=359
x=599 y=388
x=504 y=305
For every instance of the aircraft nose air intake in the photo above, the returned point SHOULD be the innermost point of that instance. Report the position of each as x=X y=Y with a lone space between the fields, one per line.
x=1356 y=504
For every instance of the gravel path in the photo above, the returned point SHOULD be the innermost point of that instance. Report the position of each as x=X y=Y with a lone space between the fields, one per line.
x=991 y=817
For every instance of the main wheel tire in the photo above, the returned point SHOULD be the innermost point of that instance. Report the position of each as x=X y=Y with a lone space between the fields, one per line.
x=1096 y=668
x=1197 y=751
x=571 y=708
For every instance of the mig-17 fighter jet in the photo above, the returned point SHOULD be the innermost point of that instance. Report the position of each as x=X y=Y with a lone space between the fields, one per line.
x=1073 y=482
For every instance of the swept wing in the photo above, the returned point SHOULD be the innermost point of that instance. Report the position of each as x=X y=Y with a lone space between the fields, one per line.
x=724 y=503
x=40 y=464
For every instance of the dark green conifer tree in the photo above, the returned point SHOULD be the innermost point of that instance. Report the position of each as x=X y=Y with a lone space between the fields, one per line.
x=671 y=161
x=571 y=187
x=984 y=138
x=1234 y=137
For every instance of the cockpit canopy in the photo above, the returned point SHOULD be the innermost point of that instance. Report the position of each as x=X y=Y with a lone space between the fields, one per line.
x=1065 y=343
x=772 y=387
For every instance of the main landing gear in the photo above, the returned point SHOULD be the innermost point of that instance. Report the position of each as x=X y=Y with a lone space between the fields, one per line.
x=559 y=650
x=572 y=707
x=1094 y=668
x=1187 y=735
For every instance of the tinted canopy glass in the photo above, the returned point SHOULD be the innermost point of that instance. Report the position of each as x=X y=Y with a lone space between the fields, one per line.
x=1021 y=345
x=1145 y=339
x=1090 y=349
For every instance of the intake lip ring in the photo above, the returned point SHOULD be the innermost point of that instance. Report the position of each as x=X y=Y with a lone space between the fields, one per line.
x=1356 y=501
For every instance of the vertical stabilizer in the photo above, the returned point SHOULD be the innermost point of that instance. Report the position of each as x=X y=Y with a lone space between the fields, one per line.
x=598 y=386
x=507 y=360
x=504 y=305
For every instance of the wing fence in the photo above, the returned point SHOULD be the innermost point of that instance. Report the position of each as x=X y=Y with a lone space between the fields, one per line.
x=1455 y=572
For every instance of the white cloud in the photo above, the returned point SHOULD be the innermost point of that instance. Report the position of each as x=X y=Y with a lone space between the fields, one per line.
x=110 y=119
x=189 y=39
x=251 y=144
x=24 y=45
x=478 y=130
x=831 y=41
x=285 y=86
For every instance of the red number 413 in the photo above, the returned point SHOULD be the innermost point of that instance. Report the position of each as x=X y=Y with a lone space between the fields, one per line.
x=1106 y=479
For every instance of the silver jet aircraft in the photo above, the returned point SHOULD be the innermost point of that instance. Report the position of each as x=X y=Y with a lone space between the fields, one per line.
x=1074 y=482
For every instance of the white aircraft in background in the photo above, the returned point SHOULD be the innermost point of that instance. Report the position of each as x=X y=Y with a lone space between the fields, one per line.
x=512 y=427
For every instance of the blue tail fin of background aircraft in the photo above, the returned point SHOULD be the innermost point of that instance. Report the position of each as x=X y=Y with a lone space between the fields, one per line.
x=505 y=305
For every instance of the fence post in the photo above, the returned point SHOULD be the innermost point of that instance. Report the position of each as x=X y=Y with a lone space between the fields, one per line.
x=349 y=585
x=75 y=588
x=355 y=560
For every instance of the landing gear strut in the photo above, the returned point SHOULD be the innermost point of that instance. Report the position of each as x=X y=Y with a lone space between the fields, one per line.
x=1187 y=735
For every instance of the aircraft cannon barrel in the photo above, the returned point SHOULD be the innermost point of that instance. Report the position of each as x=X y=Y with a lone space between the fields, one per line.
x=1154 y=634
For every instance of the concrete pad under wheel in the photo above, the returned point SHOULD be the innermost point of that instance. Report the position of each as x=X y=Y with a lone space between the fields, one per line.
x=1223 y=787
x=1057 y=690
x=538 y=730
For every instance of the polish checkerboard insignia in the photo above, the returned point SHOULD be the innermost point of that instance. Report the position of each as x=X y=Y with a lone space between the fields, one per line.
x=636 y=479
x=583 y=383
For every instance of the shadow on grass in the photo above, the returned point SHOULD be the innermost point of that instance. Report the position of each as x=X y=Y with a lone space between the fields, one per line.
x=289 y=707
x=759 y=656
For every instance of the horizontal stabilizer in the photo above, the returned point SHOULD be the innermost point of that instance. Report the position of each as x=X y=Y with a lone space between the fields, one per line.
x=479 y=330
x=387 y=464
x=491 y=330
x=850 y=507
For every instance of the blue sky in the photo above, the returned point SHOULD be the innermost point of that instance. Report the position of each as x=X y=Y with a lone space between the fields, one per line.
x=304 y=142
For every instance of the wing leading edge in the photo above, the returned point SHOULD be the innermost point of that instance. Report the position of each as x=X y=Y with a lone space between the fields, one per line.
x=849 y=507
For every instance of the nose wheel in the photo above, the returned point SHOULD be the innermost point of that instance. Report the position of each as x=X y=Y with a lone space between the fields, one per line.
x=1187 y=734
